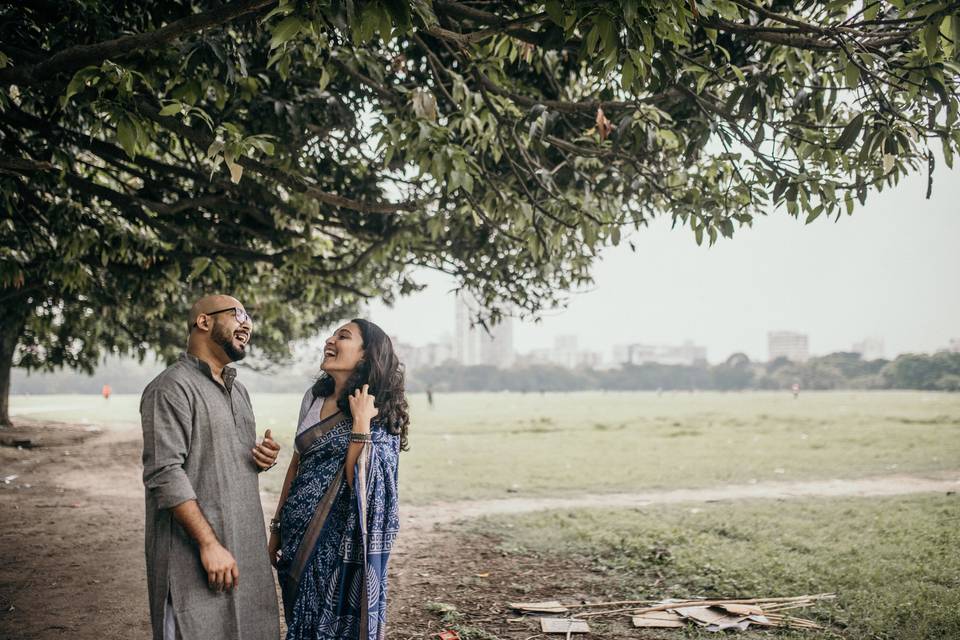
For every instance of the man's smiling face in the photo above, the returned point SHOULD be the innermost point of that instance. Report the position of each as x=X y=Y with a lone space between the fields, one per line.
x=232 y=336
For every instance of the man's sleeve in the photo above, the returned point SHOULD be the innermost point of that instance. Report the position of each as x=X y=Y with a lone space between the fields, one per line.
x=166 y=419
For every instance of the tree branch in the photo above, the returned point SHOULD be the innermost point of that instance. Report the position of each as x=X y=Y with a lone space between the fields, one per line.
x=80 y=56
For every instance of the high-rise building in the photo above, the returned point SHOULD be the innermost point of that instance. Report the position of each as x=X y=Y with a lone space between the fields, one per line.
x=869 y=348
x=473 y=344
x=793 y=346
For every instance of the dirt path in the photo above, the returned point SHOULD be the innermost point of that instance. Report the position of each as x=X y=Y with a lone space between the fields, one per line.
x=442 y=512
x=71 y=540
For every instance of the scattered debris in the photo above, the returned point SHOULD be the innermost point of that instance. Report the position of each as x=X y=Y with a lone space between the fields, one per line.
x=659 y=620
x=9 y=479
x=550 y=606
x=564 y=625
x=711 y=615
x=447 y=635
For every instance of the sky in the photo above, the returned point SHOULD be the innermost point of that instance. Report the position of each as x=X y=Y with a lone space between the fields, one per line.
x=891 y=271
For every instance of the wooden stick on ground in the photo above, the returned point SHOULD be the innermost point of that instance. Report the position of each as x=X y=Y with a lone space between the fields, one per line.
x=609 y=604
x=709 y=603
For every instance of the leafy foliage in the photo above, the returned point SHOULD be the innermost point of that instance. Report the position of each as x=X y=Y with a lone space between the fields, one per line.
x=308 y=155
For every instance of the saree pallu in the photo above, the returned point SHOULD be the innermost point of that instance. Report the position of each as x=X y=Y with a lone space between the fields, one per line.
x=336 y=539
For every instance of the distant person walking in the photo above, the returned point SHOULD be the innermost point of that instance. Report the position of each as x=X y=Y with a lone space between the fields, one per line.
x=204 y=522
x=106 y=391
x=430 y=396
x=337 y=518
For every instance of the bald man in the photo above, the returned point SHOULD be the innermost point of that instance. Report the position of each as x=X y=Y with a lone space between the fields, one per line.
x=204 y=523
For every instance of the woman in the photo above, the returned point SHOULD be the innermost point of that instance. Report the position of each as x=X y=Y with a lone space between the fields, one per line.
x=337 y=518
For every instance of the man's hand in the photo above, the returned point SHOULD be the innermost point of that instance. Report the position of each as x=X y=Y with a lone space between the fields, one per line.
x=265 y=454
x=221 y=567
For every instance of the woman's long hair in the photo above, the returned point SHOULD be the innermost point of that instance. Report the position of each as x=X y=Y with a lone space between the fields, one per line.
x=381 y=369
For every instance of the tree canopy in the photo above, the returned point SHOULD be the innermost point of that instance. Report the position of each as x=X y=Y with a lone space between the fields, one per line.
x=307 y=155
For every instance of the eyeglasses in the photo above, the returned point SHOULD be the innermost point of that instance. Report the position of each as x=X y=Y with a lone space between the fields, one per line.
x=241 y=315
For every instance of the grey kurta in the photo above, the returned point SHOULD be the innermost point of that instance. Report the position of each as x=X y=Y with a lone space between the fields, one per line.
x=197 y=437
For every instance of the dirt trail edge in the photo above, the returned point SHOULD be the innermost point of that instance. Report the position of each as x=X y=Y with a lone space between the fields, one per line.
x=71 y=544
x=443 y=512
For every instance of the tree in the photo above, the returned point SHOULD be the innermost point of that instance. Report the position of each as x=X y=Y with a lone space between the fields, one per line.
x=307 y=156
x=937 y=372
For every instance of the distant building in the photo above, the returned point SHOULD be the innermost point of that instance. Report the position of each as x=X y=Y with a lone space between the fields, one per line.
x=687 y=353
x=793 y=346
x=954 y=346
x=869 y=348
x=473 y=345
x=565 y=353
x=430 y=355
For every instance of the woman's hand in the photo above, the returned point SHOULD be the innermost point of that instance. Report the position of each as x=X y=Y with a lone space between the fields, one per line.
x=362 y=408
x=273 y=547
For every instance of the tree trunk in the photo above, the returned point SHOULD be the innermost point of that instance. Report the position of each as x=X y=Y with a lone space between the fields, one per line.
x=12 y=321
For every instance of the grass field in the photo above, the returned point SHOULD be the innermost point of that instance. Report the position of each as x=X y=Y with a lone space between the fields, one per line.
x=498 y=444
x=892 y=562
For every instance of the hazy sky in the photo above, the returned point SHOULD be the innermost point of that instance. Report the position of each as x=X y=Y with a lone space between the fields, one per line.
x=891 y=270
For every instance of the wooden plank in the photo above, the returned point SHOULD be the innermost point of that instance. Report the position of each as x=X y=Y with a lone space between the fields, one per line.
x=548 y=606
x=563 y=625
x=659 y=620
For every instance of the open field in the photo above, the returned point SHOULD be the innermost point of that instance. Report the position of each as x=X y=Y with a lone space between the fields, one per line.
x=472 y=446
x=892 y=562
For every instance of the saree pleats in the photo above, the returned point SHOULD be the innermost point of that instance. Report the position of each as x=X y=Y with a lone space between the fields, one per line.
x=336 y=539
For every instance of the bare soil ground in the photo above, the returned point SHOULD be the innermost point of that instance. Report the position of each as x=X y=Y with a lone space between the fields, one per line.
x=71 y=542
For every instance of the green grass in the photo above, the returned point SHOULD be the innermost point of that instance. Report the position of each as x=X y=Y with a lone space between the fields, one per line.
x=893 y=562
x=500 y=444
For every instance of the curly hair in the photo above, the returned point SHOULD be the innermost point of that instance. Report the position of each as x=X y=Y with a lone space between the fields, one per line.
x=381 y=369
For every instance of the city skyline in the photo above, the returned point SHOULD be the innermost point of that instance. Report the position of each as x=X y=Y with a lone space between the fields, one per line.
x=885 y=272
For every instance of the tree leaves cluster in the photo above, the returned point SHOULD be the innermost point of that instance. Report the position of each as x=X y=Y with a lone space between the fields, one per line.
x=309 y=155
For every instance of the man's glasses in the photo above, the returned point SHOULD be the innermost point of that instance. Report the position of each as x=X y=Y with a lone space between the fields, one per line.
x=241 y=315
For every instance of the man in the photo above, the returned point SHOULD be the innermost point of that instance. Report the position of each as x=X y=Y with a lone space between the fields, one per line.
x=204 y=523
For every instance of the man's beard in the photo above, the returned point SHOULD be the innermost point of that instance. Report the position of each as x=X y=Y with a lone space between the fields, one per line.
x=223 y=338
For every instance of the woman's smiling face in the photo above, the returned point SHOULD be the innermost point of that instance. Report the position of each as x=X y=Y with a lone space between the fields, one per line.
x=343 y=350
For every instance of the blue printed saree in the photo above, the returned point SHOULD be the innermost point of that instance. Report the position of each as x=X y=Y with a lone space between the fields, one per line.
x=336 y=539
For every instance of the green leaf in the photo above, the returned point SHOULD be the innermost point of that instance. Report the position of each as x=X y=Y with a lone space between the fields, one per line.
x=813 y=215
x=931 y=38
x=850 y=132
x=779 y=188
x=852 y=75
x=79 y=82
x=555 y=11
x=215 y=148
x=792 y=191
x=198 y=266
x=127 y=136
x=626 y=78
x=285 y=31
x=171 y=109
x=615 y=235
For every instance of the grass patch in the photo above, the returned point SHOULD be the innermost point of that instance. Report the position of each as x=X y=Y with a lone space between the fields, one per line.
x=473 y=445
x=892 y=561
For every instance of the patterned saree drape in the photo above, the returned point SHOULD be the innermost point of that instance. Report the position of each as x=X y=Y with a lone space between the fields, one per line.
x=336 y=540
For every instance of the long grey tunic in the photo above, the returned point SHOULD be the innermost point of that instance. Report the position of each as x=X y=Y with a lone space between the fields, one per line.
x=197 y=437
